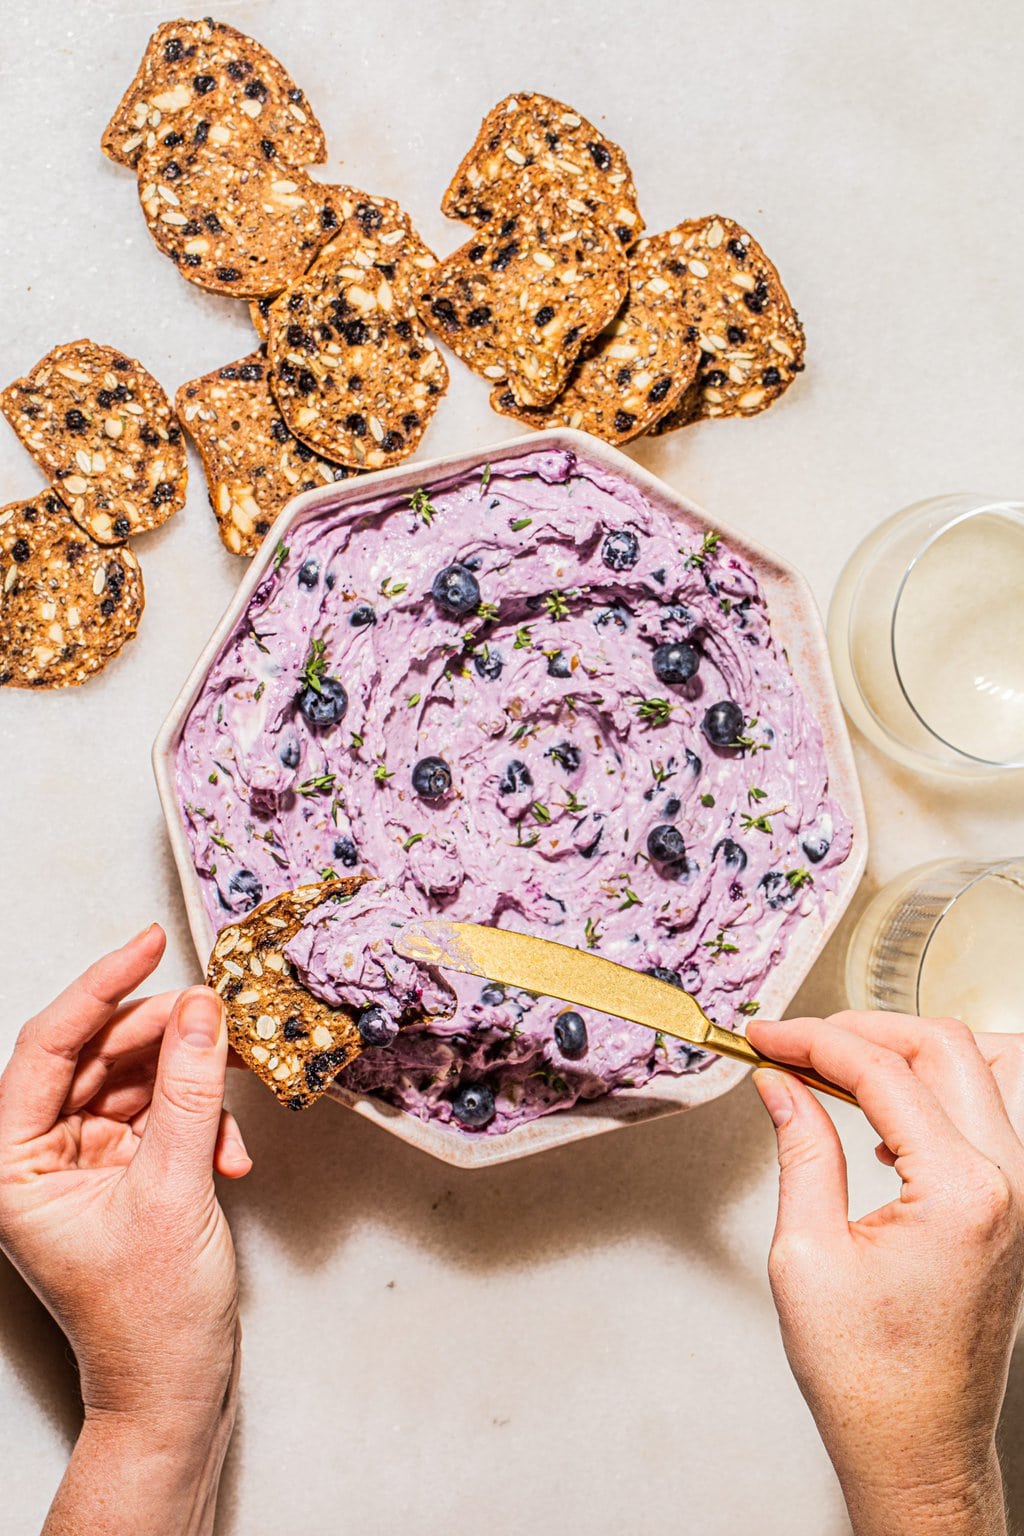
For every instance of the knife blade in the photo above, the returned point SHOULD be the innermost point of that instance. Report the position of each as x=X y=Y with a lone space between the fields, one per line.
x=555 y=970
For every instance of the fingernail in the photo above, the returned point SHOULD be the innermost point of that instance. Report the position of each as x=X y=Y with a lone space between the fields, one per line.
x=199 y=1018
x=775 y=1095
x=236 y=1151
x=142 y=934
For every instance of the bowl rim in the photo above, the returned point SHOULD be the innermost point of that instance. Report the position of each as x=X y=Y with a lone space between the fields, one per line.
x=785 y=588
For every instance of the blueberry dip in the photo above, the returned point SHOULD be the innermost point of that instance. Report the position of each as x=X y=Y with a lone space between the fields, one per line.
x=529 y=698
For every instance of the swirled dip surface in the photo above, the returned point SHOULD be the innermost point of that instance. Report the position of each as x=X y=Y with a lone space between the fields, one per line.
x=565 y=750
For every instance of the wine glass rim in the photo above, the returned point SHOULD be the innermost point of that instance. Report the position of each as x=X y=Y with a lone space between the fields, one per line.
x=1014 y=510
x=982 y=871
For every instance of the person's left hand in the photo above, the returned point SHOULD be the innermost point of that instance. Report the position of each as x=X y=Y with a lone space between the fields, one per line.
x=111 y=1125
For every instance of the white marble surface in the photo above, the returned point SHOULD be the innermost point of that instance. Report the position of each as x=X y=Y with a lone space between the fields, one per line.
x=582 y=1341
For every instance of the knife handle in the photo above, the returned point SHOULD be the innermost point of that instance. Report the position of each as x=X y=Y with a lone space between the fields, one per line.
x=740 y=1049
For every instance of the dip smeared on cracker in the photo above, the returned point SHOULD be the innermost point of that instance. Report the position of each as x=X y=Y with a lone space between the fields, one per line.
x=297 y=1028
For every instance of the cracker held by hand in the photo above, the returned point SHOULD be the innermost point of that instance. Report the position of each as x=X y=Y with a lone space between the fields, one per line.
x=102 y=430
x=521 y=298
x=232 y=220
x=635 y=371
x=207 y=71
x=67 y=604
x=751 y=339
x=253 y=463
x=555 y=144
x=355 y=374
x=293 y=1041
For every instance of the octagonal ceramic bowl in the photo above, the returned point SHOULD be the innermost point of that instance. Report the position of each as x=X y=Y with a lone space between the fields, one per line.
x=796 y=625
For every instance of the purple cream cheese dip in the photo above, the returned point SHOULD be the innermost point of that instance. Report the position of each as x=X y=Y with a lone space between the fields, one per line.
x=531 y=699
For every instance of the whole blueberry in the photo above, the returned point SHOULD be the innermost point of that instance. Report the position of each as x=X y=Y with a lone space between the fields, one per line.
x=675 y=662
x=723 y=723
x=473 y=1105
x=247 y=888
x=488 y=664
x=816 y=847
x=665 y=844
x=777 y=889
x=493 y=994
x=376 y=1028
x=289 y=753
x=734 y=856
x=567 y=755
x=431 y=778
x=672 y=807
x=558 y=665
x=325 y=707
x=346 y=852
x=309 y=573
x=571 y=1035
x=456 y=590
x=662 y=973
x=362 y=615
x=620 y=550
x=517 y=777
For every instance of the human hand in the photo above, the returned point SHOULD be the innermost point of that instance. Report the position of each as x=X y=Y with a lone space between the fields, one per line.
x=111 y=1124
x=899 y=1326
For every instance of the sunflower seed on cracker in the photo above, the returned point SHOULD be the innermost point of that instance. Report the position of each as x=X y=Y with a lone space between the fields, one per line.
x=530 y=132
x=294 y=1042
x=751 y=339
x=253 y=463
x=102 y=430
x=355 y=374
x=67 y=604
x=208 y=71
x=233 y=221
x=521 y=298
x=634 y=371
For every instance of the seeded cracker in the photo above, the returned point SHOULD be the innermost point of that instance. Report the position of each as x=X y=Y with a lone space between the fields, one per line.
x=519 y=300
x=233 y=221
x=355 y=374
x=67 y=604
x=635 y=371
x=102 y=430
x=290 y=1039
x=751 y=339
x=537 y=132
x=206 y=69
x=253 y=464
x=259 y=314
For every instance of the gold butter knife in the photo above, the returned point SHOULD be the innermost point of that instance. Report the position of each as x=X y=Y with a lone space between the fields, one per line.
x=589 y=981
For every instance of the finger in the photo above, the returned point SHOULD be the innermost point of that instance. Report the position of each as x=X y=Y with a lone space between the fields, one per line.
x=188 y=1095
x=884 y=1155
x=36 y=1080
x=905 y=1113
x=944 y=1055
x=136 y=1027
x=231 y=1157
x=813 y=1194
x=1005 y=1057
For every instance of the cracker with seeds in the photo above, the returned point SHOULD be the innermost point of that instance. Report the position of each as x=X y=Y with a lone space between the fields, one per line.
x=536 y=134
x=208 y=71
x=253 y=464
x=751 y=339
x=259 y=314
x=635 y=371
x=67 y=604
x=355 y=374
x=520 y=299
x=293 y=1041
x=102 y=430
x=233 y=221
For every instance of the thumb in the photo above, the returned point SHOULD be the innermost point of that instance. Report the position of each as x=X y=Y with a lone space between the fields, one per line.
x=188 y=1094
x=813 y=1194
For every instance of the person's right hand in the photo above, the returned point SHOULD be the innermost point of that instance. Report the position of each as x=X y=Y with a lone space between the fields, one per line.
x=899 y=1326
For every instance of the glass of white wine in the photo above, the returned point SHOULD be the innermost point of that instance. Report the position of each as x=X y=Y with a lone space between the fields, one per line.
x=944 y=941
x=926 y=633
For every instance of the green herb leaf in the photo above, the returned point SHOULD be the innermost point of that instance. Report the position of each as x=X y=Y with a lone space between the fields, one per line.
x=661 y=773
x=719 y=945
x=519 y=523
x=327 y=873
x=221 y=842
x=709 y=544
x=707 y=800
x=280 y=554
x=316 y=663
x=213 y=778
x=749 y=1008
x=799 y=877
x=523 y=638
x=485 y=478
x=592 y=933
x=389 y=588
x=322 y=784
x=422 y=505
x=412 y=701
x=654 y=711
x=629 y=899
x=414 y=837
x=540 y=812
x=258 y=692
x=356 y=740
x=753 y=793
x=381 y=773
x=487 y=611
